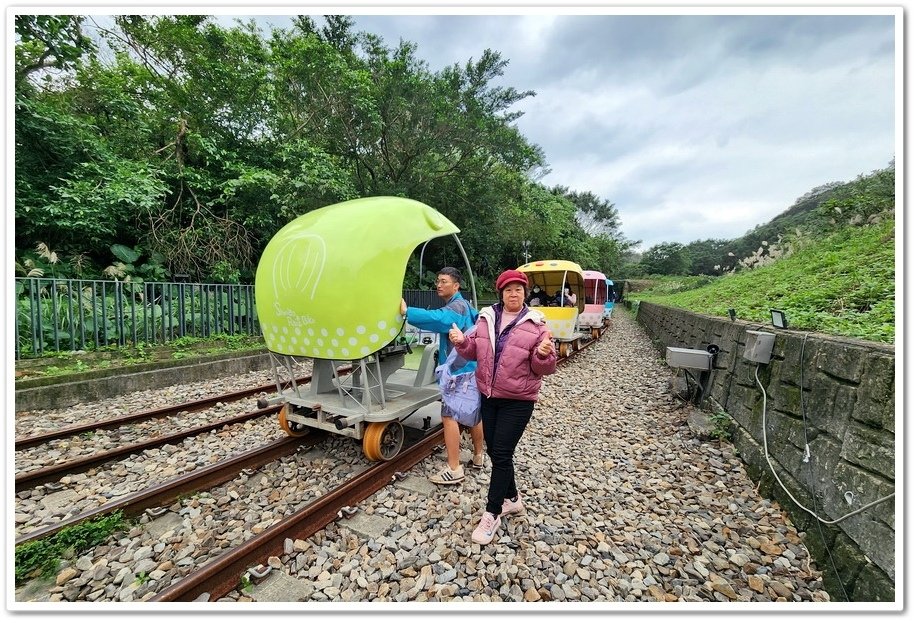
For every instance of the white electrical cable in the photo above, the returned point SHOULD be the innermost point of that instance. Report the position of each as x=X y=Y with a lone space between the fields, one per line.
x=766 y=453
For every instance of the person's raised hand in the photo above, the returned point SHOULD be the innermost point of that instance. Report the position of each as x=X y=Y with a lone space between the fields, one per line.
x=403 y=307
x=455 y=336
x=546 y=345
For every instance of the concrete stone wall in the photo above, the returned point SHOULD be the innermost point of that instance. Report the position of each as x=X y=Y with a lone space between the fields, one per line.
x=834 y=396
x=41 y=394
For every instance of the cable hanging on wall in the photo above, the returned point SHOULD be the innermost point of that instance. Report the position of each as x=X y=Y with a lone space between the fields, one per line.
x=766 y=454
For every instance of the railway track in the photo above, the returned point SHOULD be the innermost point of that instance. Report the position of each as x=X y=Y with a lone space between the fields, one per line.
x=30 y=441
x=163 y=494
x=45 y=475
x=586 y=340
x=220 y=576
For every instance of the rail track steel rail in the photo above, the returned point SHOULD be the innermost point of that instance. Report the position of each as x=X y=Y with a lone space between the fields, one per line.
x=195 y=405
x=582 y=345
x=165 y=493
x=53 y=472
x=221 y=576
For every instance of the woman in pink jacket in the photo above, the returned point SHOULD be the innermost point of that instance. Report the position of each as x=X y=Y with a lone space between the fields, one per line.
x=513 y=349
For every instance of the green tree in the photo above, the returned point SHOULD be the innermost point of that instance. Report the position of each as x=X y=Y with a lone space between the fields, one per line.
x=707 y=257
x=46 y=42
x=198 y=142
x=667 y=258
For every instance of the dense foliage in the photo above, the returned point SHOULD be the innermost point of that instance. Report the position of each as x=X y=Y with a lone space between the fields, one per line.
x=186 y=145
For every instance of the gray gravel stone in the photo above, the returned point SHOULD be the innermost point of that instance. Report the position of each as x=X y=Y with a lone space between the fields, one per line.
x=623 y=503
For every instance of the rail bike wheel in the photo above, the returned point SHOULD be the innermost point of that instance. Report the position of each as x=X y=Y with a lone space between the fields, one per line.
x=383 y=440
x=564 y=349
x=596 y=333
x=293 y=429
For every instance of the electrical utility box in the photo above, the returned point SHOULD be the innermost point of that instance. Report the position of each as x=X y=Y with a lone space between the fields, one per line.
x=759 y=348
x=692 y=358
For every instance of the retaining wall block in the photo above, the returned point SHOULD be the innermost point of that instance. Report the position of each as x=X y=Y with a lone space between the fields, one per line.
x=819 y=540
x=822 y=463
x=740 y=405
x=872 y=585
x=875 y=405
x=744 y=375
x=843 y=406
x=828 y=406
x=840 y=360
x=849 y=562
x=870 y=448
x=789 y=349
x=786 y=398
x=871 y=529
x=785 y=438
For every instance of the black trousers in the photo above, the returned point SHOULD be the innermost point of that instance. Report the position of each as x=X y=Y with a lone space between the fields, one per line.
x=504 y=421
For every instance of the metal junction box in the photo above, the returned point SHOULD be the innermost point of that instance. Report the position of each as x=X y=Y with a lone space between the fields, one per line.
x=688 y=358
x=759 y=346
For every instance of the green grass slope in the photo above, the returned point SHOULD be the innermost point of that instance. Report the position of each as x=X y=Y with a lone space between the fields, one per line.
x=841 y=284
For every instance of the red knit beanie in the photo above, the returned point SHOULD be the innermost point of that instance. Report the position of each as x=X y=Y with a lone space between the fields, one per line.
x=511 y=276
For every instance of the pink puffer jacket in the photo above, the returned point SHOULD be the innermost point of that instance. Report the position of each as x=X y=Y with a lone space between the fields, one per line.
x=520 y=366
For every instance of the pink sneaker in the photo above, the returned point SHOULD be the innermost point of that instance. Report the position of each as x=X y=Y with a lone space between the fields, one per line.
x=486 y=529
x=510 y=507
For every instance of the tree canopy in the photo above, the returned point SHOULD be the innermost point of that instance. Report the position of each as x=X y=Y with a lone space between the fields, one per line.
x=190 y=144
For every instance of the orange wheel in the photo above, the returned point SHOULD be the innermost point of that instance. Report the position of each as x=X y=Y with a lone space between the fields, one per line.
x=371 y=440
x=293 y=429
x=564 y=349
x=383 y=440
x=596 y=333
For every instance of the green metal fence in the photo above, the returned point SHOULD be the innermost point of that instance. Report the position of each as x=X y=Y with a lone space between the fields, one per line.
x=77 y=314
x=55 y=315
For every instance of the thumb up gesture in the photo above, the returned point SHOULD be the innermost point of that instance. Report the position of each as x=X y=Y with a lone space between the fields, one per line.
x=546 y=345
x=455 y=336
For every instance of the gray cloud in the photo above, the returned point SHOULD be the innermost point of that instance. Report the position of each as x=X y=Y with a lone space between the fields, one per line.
x=694 y=126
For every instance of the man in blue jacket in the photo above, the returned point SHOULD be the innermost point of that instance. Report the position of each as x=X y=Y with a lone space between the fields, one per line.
x=457 y=310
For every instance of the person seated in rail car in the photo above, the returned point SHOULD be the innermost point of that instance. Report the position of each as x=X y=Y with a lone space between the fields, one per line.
x=556 y=300
x=588 y=300
x=537 y=297
x=569 y=298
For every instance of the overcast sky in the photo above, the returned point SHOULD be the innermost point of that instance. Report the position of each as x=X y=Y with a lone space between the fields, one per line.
x=695 y=126
x=696 y=123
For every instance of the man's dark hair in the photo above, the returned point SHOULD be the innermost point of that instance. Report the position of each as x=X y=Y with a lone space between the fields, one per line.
x=451 y=272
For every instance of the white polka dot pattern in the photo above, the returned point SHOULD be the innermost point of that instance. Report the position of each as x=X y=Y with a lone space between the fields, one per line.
x=346 y=342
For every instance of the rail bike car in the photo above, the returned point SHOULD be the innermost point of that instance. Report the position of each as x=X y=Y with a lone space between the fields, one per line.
x=592 y=318
x=551 y=277
x=328 y=287
x=609 y=303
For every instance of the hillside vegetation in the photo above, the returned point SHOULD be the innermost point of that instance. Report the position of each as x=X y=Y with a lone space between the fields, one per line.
x=842 y=284
x=827 y=262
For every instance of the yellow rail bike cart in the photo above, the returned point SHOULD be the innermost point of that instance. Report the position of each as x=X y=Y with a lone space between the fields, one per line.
x=552 y=276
